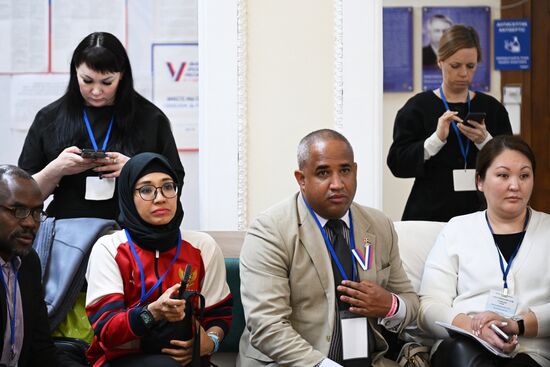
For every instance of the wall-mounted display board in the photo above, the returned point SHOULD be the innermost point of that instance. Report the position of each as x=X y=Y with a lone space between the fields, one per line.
x=435 y=20
x=398 y=49
x=512 y=44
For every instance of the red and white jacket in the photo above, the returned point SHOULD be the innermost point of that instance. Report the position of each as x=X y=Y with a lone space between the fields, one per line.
x=114 y=289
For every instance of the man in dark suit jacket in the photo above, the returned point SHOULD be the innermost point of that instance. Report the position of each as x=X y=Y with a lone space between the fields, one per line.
x=24 y=334
x=300 y=309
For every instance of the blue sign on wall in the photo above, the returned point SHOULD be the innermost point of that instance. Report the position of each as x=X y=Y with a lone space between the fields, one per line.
x=398 y=51
x=512 y=44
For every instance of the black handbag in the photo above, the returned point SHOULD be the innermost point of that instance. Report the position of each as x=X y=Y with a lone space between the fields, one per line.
x=160 y=335
x=73 y=350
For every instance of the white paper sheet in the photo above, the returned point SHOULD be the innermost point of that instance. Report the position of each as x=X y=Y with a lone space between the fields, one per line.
x=29 y=93
x=24 y=30
x=175 y=21
x=176 y=89
x=453 y=329
x=72 y=20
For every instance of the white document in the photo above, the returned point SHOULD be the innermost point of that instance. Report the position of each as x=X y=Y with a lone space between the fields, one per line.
x=24 y=29
x=29 y=93
x=176 y=21
x=157 y=22
x=355 y=337
x=99 y=188
x=456 y=330
x=176 y=89
x=72 y=20
x=464 y=179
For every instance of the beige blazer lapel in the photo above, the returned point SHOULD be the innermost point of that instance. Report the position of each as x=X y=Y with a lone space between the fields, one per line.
x=362 y=237
x=313 y=242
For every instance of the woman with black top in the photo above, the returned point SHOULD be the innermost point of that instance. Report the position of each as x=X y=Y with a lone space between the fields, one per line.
x=100 y=111
x=433 y=143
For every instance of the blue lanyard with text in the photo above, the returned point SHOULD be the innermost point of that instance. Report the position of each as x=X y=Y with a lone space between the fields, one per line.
x=329 y=245
x=12 y=317
x=463 y=151
x=507 y=270
x=91 y=133
x=145 y=295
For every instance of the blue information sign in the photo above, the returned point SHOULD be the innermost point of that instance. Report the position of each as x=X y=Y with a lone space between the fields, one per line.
x=398 y=51
x=512 y=44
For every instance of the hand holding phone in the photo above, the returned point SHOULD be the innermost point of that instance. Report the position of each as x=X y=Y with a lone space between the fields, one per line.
x=501 y=334
x=475 y=116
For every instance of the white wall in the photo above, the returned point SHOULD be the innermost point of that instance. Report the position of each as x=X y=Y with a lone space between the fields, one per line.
x=290 y=90
x=218 y=115
x=396 y=190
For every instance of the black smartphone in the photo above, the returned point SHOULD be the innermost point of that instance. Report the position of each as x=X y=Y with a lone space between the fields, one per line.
x=501 y=334
x=184 y=281
x=93 y=154
x=475 y=116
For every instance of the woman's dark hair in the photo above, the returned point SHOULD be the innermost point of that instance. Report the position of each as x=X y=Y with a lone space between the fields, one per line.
x=103 y=53
x=456 y=38
x=496 y=146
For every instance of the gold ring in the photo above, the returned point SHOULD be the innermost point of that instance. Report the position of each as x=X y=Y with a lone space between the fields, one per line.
x=114 y=160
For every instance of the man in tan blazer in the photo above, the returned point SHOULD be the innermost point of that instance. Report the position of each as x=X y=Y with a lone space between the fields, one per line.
x=293 y=300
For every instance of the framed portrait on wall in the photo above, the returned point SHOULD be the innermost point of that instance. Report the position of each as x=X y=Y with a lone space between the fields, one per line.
x=435 y=20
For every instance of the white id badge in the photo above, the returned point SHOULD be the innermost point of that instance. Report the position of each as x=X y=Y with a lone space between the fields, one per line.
x=502 y=304
x=355 y=335
x=464 y=179
x=99 y=188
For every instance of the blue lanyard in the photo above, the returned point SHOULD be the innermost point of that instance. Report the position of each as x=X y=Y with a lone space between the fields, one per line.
x=506 y=270
x=145 y=295
x=91 y=133
x=329 y=245
x=463 y=151
x=12 y=317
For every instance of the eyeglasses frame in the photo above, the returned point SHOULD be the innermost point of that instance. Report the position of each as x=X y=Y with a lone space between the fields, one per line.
x=13 y=211
x=157 y=190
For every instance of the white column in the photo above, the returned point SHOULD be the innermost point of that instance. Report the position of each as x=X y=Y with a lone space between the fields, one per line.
x=218 y=130
x=363 y=94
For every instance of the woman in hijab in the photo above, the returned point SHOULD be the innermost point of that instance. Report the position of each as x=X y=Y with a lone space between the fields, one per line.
x=134 y=274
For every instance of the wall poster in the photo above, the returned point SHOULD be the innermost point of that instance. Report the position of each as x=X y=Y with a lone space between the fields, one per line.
x=435 y=20
x=398 y=49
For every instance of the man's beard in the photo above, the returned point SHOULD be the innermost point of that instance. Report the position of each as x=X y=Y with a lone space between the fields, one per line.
x=12 y=247
x=21 y=250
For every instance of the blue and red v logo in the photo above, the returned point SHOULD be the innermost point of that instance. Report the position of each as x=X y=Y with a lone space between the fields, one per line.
x=176 y=75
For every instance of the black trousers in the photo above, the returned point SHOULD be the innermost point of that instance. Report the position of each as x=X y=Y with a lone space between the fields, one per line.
x=141 y=360
x=460 y=351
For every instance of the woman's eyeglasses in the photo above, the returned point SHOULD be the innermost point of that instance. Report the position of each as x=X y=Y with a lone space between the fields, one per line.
x=149 y=192
x=21 y=212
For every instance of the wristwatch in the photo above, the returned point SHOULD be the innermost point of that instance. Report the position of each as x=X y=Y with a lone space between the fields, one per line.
x=521 y=324
x=147 y=317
